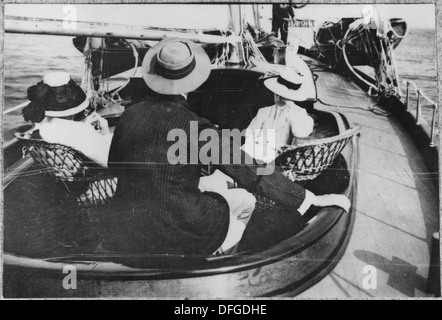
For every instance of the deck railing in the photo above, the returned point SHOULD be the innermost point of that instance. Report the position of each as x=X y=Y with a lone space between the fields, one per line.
x=301 y=23
x=432 y=104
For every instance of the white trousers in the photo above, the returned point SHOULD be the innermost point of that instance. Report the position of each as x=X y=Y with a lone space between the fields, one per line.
x=241 y=205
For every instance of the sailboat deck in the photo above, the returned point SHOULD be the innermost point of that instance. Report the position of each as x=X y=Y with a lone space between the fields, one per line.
x=397 y=205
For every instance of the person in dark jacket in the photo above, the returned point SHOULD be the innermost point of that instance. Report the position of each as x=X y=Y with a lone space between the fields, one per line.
x=280 y=14
x=158 y=207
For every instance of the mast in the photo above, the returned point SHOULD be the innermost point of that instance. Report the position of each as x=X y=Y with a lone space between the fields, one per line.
x=256 y=16
x=237 y=21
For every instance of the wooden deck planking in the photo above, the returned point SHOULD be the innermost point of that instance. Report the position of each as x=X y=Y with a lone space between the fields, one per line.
x=397 y=206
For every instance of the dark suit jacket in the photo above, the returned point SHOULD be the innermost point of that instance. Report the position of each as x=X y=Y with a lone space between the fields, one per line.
x=158 y=206
x=279 y=13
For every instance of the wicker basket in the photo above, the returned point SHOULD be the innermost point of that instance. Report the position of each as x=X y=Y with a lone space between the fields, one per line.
x=77 y=178
x=307 y=161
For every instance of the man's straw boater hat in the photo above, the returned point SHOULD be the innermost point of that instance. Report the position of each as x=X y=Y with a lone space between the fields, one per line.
x=289 y=84
x=58 y=95
x=175 y=66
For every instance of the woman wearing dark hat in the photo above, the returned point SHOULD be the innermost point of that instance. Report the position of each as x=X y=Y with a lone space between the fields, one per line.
x=158 y=206
x=54 y=103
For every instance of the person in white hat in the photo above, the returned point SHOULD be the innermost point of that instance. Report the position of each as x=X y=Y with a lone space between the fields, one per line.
x=164 y=207
x=54 y=103
x=285 y=118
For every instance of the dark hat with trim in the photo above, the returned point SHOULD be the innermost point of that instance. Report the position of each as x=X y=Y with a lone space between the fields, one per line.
x=56 y=96
x=175 y=66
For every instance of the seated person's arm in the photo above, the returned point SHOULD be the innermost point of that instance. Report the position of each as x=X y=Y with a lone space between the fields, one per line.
x=81 y=136
x=97 y=145
x=301 y=124
x=254 y=144
x=239 y=165
x=270 y=183
x=98 y=123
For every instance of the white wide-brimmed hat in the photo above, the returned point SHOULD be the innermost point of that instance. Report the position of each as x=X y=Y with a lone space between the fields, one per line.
x=175 y=66
x=289 y=84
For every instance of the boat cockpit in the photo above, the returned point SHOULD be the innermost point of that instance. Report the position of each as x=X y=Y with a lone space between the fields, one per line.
x=43 y=234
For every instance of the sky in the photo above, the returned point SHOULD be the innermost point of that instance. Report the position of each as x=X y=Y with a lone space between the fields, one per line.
x=418 y=16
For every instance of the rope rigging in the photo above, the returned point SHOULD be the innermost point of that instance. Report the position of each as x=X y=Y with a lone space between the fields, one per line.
x=102 y=97
x=381 y=59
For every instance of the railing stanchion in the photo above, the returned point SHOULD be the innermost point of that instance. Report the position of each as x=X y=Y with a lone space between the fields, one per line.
x=420 y=94
x=407 y=96
x=433 y=125
x=418 y=106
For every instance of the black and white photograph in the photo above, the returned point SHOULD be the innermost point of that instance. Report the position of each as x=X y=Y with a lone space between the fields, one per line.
x=221 y=151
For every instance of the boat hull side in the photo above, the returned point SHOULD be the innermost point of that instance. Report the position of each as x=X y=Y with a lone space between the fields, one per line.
x=279 y=277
